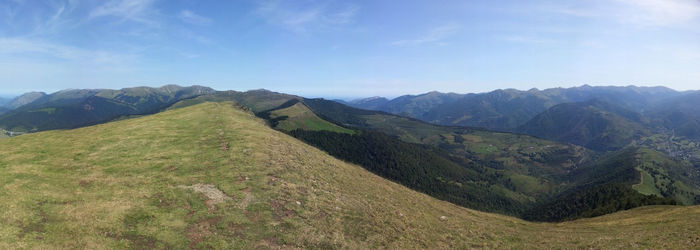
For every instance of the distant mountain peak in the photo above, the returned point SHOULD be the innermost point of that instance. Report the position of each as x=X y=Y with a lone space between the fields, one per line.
x=369 y=99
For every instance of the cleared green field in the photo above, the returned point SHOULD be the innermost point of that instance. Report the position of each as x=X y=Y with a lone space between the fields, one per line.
x=213 y=176
x=647 y=185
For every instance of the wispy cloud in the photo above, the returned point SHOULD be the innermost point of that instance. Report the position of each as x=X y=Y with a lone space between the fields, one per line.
x=130 y=10
x=303 y=18
x=25 y=47
x=435 y=35
x=659 y=12
x=195 y=37
x=640 y=13
x=60 y=19
x=190 y=17
x=530 y=40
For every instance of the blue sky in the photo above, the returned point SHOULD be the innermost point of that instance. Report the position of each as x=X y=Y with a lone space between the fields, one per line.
x=348 y=48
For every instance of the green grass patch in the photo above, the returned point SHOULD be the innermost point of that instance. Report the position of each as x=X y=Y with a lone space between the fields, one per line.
x=647 y=186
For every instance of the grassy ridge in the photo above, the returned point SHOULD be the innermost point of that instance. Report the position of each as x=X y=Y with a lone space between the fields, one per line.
x=120 y=185
x=298 y=116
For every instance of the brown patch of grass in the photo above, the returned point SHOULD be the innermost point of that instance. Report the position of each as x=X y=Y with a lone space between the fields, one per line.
x=197 y=232
x=85 y=183
x=35 y=226
x=279 y=210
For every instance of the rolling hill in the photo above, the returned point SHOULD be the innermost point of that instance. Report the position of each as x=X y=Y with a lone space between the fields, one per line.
x=214 y=176
x=472 y=167
x=475 y=168
x=76 y=108
x=594 y=124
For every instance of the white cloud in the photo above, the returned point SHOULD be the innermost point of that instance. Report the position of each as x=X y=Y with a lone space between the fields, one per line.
x=303 y=18
x=435 y=35
x=131 y=10
x=190 y=17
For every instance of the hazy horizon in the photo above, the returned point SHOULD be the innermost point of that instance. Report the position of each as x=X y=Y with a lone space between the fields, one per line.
x=341 y=97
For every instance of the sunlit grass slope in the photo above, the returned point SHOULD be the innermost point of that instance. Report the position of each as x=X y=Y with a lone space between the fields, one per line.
x=299 y=116
x=145 y=183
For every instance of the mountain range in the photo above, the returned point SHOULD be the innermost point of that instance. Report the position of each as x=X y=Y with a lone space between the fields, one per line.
x=526 y=170
x=508 y=109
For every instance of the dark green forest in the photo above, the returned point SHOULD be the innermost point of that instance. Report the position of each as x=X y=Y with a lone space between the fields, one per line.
x=420 y=167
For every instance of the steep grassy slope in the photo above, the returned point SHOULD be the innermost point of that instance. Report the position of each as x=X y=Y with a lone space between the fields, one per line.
x=137 y=183
x=295 y=115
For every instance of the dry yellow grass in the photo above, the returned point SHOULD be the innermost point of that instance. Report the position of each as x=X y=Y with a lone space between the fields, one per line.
x=116 y=186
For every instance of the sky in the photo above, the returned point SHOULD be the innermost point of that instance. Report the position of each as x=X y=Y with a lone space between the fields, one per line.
x=348 y=48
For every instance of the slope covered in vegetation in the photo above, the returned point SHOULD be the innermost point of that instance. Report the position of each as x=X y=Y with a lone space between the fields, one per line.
x=212 y=175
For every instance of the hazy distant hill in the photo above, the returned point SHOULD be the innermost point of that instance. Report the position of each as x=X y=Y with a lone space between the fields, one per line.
x=4 y=101
x=682 y=115
x=25 y=99
x=81 y=107
x=595 y=124
x=371 y=103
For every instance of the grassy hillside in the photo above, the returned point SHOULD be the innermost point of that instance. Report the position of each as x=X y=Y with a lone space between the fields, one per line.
x=213 y=176
x=296 y=115
x=663 y=176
